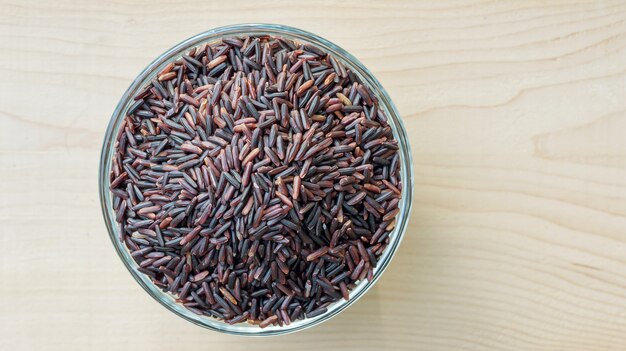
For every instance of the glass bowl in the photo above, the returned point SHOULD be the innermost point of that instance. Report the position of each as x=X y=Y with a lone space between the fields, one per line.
x=301 y=36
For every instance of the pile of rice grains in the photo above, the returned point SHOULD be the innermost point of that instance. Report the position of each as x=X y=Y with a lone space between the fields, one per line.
x=256 y=179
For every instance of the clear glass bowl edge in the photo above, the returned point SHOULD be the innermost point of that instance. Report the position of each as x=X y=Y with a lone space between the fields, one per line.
x=289 y=32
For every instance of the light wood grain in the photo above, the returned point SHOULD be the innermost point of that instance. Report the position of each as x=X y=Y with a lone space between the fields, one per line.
x=517 y=117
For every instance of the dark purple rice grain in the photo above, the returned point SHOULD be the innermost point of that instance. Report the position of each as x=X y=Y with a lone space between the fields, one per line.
x=257 y=179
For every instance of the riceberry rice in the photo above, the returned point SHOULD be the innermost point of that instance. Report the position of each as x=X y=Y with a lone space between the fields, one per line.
x=256 y=179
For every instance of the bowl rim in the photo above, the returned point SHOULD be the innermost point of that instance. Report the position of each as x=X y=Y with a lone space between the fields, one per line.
x=385 y=103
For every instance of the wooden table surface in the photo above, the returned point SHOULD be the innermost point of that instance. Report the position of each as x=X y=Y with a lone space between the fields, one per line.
x=516 y=112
